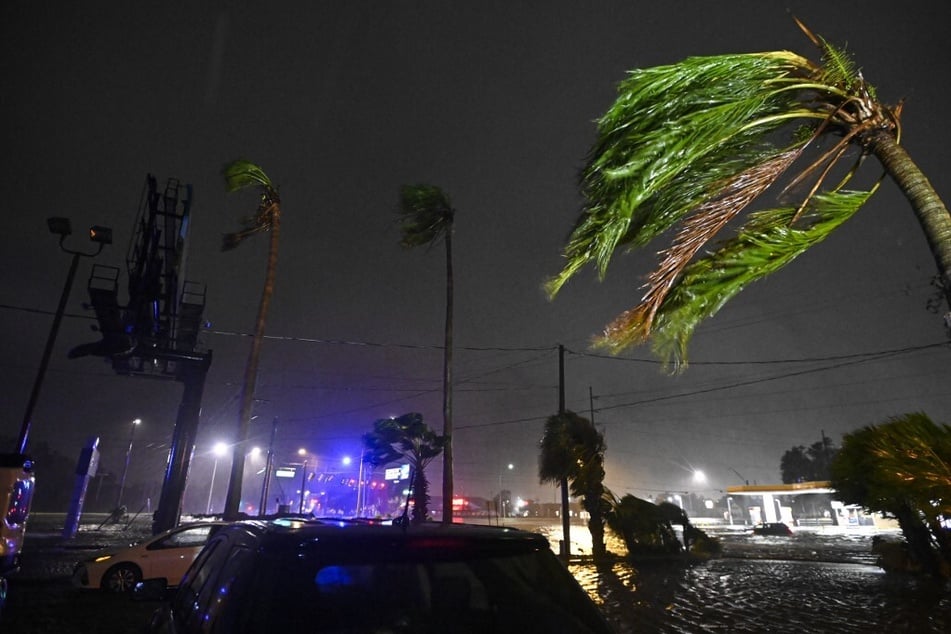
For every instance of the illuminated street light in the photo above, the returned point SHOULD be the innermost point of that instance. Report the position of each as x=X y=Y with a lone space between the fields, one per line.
x=219 y=450
x=303 y=478
x=128 y=454
x=358 y=511
x=699 y=477
x=501 y=503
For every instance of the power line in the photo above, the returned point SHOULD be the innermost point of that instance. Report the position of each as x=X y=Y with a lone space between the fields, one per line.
x=379 y=344
x=548 y=348
x=844 y=357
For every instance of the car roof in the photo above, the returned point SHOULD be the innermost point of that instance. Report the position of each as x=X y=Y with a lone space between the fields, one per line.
x=434 y=535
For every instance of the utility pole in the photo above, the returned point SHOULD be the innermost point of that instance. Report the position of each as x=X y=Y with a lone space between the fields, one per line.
x=565 y=501
x=591 y=403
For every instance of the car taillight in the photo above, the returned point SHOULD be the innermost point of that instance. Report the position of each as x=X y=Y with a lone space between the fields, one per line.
x=19 y=506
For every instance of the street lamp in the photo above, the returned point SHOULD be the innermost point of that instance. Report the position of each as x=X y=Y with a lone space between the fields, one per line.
x=128 y=455
x=268 y=464
x=501 y=503
x=740 y=476
x=218 y=450
x=303 y=480
x=358 y=512
x=61 y=227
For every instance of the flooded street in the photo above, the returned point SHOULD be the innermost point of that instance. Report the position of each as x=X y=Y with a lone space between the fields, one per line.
x=809 y=582
x=805 y=583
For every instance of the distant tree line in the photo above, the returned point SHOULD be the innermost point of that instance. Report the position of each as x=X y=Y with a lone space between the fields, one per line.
x=808 y=464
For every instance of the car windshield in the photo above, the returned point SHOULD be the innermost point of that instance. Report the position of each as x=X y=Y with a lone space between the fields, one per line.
x=307 y=592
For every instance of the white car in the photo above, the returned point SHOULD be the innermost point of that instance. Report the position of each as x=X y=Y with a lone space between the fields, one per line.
x=164 y=556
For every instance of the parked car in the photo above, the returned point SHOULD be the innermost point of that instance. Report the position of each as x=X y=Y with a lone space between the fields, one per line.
x=772 y=528
x=340 y=576
x=165 y=556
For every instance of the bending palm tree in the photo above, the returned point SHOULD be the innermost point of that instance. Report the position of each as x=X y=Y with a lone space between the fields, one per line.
x=409 y=438
x=426 y=216
x=572 y=450
x=692 y=144
x=239 y=175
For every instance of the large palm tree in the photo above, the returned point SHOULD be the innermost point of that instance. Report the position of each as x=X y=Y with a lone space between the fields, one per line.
x=695 y=143
x=572 y=454
x=241 y=174
x=426 y=216
x=408 y=438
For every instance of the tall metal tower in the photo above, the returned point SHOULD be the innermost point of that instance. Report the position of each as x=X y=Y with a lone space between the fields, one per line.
x=155 y=334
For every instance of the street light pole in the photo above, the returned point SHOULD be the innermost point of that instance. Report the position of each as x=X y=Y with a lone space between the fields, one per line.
x=128 y=455
x=219 y=450
x=303 y=484
x=211 y=486
x=61 y=227
x=747 y=482
x=268 y=465
x=360 y=489
x=501 y=510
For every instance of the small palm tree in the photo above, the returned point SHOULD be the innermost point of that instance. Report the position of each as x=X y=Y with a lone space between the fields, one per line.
x=694 y=144
x=426 y=216
x=903 y=468
x=241 y=174
x=643 y=527
x=572 y=452
x=408 y=438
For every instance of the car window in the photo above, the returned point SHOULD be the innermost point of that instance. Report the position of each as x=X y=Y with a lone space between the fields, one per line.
x=189 y=537
x=185 y=602
x=230 y=603
x=513 y=593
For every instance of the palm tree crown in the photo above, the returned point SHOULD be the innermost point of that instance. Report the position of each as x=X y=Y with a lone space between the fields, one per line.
x=241 y=174
x=691 y=145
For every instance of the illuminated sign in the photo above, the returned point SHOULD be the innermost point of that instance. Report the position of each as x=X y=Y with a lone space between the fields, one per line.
x=285 y=472
x=395 y=474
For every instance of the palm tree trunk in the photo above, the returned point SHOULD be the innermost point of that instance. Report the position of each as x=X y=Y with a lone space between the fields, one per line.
x=929 y=209
x=919 y=540
x=233 y=500
x=447 y=484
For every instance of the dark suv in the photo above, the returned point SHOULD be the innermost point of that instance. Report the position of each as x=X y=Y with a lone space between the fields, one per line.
x=340 y=576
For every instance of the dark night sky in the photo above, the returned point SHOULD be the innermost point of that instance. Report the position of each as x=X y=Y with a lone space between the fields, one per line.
x=341 y=103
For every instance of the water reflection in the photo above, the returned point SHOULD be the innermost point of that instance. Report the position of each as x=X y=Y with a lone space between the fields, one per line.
x=805 y=583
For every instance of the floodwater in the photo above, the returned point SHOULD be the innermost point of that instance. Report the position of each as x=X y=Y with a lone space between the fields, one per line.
x=810 y=582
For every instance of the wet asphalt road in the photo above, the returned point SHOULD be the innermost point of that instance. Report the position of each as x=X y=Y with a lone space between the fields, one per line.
x=806 y=583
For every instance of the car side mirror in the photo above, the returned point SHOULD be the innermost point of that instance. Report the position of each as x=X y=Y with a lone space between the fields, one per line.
x=151 y=590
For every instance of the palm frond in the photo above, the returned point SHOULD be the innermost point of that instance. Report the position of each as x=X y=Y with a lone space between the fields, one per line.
x=709 y=218
x=699 y=123
x=767 y=243
x=242 y=173
x=838 y=68
x=426 y=215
